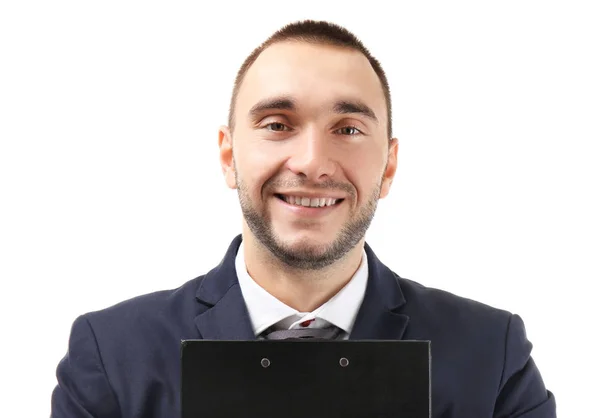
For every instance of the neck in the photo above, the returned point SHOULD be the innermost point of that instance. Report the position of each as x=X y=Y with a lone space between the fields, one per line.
x=303 y=290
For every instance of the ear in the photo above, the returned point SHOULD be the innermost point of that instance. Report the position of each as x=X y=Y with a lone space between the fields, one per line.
x=226 y=156
x=390 y=171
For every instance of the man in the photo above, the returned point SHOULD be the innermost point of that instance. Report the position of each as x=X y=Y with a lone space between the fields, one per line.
x=309 y=149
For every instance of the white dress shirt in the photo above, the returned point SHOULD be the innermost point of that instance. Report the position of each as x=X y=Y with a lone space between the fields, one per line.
x=266 y=310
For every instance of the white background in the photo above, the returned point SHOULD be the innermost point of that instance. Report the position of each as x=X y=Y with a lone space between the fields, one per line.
x=110 y=184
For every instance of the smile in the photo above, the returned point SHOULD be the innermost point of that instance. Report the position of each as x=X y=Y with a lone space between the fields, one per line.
x=309 y=202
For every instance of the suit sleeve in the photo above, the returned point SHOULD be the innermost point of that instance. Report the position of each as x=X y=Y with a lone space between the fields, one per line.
x=522 y=393
x=83 y=389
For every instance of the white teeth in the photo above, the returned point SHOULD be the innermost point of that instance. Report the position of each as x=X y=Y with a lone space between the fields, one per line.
x=314 y=202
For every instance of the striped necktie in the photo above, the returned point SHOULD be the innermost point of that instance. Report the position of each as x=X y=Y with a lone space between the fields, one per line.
x=330 y=333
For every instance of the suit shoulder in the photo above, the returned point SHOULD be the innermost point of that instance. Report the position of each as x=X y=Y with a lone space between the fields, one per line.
x=147 y=306
x=447 y=306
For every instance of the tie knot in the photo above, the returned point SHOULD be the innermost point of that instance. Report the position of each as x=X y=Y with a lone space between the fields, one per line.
x=329 y=333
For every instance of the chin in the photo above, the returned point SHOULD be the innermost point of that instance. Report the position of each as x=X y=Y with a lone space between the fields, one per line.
x=305 y=249
x=307 y=239
x=305 y=254
x=308 y=246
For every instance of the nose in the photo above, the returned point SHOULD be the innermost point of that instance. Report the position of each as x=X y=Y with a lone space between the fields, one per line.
x=311 y=156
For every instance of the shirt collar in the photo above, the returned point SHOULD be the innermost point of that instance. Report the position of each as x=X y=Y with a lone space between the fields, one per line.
x=266 y=310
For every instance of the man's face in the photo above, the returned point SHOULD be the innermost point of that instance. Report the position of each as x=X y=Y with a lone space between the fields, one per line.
x=310 y=154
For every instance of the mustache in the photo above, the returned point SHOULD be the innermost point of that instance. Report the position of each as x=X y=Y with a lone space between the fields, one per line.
x=296 y=183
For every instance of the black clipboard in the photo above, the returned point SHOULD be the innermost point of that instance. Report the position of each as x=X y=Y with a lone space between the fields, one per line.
x=305 y=379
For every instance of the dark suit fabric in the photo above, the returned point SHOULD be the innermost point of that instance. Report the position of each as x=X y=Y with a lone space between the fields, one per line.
x=123 y=361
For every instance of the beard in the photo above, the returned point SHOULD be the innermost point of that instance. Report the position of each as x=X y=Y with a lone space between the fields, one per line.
x=307 y=255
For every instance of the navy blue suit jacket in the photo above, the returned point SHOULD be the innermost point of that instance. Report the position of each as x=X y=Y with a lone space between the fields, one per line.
x=124 y=361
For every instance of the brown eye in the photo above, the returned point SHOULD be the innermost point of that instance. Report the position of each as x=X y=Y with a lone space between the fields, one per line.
x=276 y=127
x=349 y=130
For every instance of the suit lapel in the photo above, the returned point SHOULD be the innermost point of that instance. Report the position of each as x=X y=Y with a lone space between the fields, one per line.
x=226 y=317
x=379 y=317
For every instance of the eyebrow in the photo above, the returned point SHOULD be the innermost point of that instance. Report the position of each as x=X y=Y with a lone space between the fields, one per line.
x=274 y=103
x=347 y=106
x=288 y=103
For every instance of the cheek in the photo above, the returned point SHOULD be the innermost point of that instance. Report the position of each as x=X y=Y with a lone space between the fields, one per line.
x=365 y=170
x=255 y=167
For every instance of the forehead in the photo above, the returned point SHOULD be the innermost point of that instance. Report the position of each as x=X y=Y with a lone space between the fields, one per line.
x=314 y=75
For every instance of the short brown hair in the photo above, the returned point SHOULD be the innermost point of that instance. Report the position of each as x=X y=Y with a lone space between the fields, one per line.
x=316 y=32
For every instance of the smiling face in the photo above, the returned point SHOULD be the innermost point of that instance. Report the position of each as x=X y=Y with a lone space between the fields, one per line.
x=309 y=155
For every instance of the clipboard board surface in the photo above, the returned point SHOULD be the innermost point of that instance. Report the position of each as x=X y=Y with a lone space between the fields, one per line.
x=305 y=379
